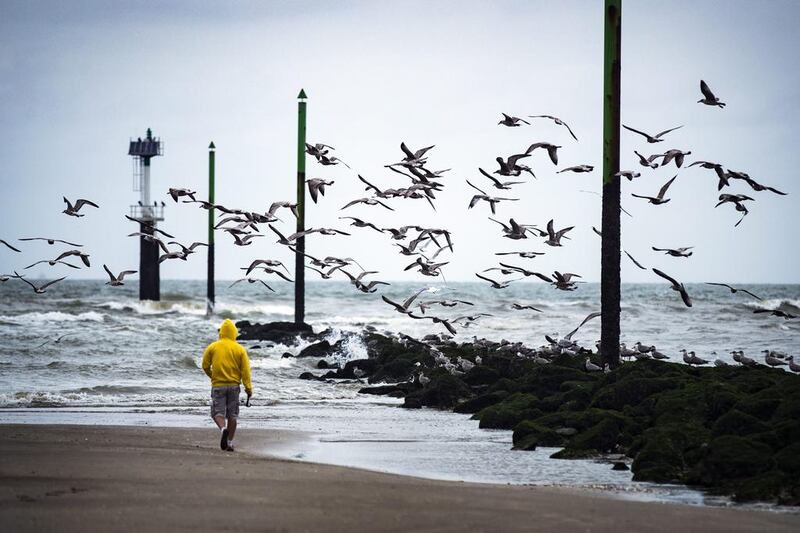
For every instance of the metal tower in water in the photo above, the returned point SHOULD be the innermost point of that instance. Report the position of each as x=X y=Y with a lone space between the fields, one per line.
x=148 y=213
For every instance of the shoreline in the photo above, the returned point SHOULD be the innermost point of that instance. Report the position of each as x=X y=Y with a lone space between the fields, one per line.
x=127 y=477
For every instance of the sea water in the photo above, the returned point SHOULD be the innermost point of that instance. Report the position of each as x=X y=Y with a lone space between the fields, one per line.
x=88 y=353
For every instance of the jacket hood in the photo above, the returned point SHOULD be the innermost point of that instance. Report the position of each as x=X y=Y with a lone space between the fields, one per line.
x=228 y=330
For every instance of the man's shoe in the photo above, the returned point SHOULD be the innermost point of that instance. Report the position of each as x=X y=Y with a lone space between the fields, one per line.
x=223 y=442
x=229 y=448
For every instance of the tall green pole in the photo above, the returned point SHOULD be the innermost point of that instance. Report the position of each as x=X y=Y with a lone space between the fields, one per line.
x=610 y=248
x=299 y=263
x=210 y=275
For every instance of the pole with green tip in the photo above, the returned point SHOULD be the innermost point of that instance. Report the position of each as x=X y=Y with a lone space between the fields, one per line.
x=610 y=293
x=210 y=276
x=299 y=258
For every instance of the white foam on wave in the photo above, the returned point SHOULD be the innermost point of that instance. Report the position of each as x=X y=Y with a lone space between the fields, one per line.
x=53 y=316
x=773 y=303
x=197 y=308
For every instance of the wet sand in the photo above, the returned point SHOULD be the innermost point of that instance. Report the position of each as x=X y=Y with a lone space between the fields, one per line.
x=101 y=478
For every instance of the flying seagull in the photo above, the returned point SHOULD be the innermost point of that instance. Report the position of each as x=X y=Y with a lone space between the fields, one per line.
x=510 y=167
x=675 y=252
x=552 y=150
x=773 y=312
x=525 y=255
x=652 y=138
x=492 y=200
x=735 y=290
x=648 y=161
x=658 y=200
x=316 y=187
x=72 y=210
x=366 y=201
x=116 y=281
x=251 y=280
x=554 y=237
x=677 y=155
x=521 y=307
x=716 y=167
x=676 y=287
x=83 y=256
x=577 y=169
x=502 y=185
x=496 y=284
x=41 y=289
x=558 y=121
x=512 y=122
x=177 y=193
x=630 y=174
x=51 y=241
x=708 y=97
x=51 y=262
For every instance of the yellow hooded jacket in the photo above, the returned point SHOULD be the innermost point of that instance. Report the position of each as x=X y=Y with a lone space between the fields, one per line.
x=225 y=361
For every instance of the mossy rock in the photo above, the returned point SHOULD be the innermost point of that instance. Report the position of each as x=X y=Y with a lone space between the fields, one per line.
x=660 y=454
x=444 y=391
x=393 y=371
x=546 y=380
x=730 y=457
x=788 y=460
x=764 y=487
x=735 y=422
x=631 y=391
x=602 y=437
x=761 y=408
x=481 y=375
x=509 y=412
x=528 y=434
x=504 y=384
x=481 y=402
x=571 y=453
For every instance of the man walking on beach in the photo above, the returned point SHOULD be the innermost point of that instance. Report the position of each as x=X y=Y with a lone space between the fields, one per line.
x=226 y=363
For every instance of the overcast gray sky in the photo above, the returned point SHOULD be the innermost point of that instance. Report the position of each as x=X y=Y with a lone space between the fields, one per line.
x=78 y=79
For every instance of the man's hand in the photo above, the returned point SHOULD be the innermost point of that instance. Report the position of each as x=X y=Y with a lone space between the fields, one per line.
x=249 y=394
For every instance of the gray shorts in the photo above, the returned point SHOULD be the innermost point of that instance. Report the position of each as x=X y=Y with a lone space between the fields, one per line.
x=225 y=401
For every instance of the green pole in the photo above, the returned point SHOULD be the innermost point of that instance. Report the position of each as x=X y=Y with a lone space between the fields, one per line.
x=299 y=264
x=610 y=248
x=210 y=276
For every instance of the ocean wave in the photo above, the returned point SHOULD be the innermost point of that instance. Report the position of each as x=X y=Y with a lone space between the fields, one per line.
x=53 y=316
x=198 y=308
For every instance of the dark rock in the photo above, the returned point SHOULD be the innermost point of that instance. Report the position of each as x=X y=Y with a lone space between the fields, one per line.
x=510 y=412
x=322 y=349
x=277 y=332
x=735 y=422
x=480 y=402
x=444 y=391
x=619 y=465
x=286 y=355
x=527 y=435
x=310 y=376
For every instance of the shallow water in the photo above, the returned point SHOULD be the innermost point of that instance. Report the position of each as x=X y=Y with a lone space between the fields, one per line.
x=123 y=361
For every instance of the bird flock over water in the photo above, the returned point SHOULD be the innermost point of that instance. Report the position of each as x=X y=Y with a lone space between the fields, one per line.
x=427 y=247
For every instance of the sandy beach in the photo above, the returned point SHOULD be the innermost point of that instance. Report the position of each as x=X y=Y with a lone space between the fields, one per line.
x=85 y=478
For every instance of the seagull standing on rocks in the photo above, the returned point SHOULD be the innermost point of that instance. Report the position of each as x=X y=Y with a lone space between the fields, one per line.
x=691 y=359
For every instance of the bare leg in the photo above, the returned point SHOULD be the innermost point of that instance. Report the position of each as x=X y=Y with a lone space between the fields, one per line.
x=231 y=428
x=220 y=420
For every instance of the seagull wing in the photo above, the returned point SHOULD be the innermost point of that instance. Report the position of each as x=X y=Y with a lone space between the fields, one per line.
x=643 y=134
x=110 y=275
x=126 y=273
x=512 y=159
x=658 y=135
x=751 y=294
x=494 y=180
x=404 y=148
x=15 y=249
x=667 y=277
x=43 y=287
x=591 y=316
x=706 y=90
x=635 y=262
x=81 y=202
x=476 y=188
x=569 y=130
x=663 y=189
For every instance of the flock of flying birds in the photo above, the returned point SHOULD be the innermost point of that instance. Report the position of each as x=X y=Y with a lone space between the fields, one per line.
x=424 y=244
